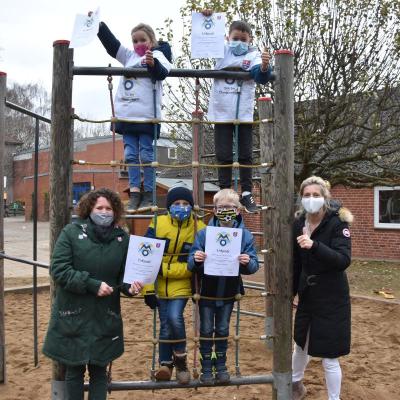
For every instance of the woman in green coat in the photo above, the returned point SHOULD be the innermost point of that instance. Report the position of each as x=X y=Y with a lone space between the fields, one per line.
x=87 y=268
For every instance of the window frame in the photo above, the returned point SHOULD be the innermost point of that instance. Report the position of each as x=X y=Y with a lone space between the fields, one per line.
x=169 y=153
x=377 y=224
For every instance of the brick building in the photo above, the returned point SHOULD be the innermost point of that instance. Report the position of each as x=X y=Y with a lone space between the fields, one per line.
x=376 y=227
x=87 y=177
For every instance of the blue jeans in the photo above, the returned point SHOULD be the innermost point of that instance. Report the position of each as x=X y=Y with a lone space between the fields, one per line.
x=214 y=322
x=138 y=148
x=172 y=326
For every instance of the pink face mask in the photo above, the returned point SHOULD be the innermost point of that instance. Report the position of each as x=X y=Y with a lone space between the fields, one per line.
x=141 y=49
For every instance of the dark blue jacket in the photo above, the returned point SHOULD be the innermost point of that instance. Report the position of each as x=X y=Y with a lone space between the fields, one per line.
x=223 y=286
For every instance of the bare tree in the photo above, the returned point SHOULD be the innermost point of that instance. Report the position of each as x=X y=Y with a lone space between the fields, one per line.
x=20 y=127
x=346 y=81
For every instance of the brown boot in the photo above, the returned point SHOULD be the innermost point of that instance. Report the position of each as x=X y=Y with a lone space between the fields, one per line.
x=182 y=372
x=164 y=373
x=299 y=390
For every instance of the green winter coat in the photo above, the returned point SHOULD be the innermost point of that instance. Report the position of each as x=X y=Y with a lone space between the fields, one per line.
x=84 y=327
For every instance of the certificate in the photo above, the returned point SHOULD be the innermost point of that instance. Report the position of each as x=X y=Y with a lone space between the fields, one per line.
x=143 y=260
x=208 y=35
x=223 y=247
x=85 y=29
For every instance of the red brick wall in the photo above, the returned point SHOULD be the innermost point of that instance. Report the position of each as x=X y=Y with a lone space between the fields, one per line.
x=367 y=241
x=97 y=175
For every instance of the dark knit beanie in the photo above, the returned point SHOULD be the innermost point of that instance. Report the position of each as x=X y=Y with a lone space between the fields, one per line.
x=179 y=193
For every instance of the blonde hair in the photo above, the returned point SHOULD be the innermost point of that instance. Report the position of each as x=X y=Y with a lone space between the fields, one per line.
x=148 y=30
x=226 y=195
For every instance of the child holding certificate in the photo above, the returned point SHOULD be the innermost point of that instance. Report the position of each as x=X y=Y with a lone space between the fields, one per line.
x=215 y=314
x=177 y=228
x=138 y=99
x=233 y=99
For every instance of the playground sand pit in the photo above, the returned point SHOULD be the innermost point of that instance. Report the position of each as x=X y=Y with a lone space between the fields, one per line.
x=370 y=372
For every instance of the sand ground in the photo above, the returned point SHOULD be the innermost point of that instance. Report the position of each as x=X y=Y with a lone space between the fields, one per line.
x=370 y=372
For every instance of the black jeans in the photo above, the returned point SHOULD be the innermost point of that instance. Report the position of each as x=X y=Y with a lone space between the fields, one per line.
x=223 y=139
x=74 y=378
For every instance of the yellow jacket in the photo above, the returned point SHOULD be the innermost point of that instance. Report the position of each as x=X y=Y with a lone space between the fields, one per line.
x=174 y=279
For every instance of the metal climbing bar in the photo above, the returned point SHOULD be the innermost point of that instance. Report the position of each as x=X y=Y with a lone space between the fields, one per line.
x=151 y=385
x=175 y=73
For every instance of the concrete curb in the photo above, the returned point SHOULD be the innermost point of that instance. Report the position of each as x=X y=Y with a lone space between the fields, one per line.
x=27 y=289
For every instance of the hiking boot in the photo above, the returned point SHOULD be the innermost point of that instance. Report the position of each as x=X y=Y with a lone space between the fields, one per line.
x=182 y=372
x=147 y=200
x=222 y=374
x=164 y=373
x=134 y=201
x=299 y=390
x=249 y=203
x=206 y=369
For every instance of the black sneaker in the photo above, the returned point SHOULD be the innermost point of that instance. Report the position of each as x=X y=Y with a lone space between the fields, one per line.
x=147 y=200
x=134 y=201
x=249 y=203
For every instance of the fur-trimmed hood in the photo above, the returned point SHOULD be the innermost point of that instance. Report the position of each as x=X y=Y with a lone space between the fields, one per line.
x=345 y=215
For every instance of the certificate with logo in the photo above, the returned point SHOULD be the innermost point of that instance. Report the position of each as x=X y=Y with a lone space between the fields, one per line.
x=223 y=247
x=143 y=260
x=85 y=29
x=208 y=35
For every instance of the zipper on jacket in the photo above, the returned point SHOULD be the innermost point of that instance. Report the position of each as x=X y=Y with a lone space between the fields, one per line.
x=170 y=260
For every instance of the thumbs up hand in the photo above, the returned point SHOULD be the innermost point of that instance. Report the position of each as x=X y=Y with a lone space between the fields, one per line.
x=265 y=57
x=304 y=240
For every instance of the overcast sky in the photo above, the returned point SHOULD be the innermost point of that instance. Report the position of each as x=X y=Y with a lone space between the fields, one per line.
x=29 y=28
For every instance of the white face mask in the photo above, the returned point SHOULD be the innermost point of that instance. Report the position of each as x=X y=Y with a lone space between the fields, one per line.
x=312 y=204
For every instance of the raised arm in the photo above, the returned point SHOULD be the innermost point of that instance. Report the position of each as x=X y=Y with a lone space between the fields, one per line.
x=108 y=40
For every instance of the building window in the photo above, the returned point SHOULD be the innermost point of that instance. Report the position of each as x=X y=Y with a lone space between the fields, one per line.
x=172 y=153
x=387 y=207
x=79 y=189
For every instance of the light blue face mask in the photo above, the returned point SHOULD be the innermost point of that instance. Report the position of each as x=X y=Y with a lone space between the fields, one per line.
x=180 y=212
x=238 y=47
x=102 y=219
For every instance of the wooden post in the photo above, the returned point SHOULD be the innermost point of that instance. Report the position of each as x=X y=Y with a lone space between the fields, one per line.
x=61 y=154
x=265 y=110
x=3 y=91
x=282 y=221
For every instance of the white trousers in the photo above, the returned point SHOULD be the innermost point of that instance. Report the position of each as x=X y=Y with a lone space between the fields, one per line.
x=333 y=372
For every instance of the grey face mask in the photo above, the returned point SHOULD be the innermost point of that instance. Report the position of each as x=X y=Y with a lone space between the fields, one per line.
x=102 y=219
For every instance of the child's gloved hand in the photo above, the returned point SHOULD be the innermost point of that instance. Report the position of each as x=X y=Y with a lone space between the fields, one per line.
x=151 y=301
